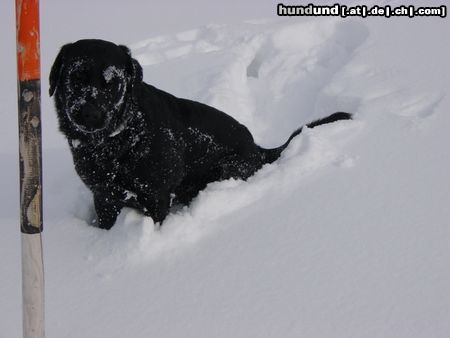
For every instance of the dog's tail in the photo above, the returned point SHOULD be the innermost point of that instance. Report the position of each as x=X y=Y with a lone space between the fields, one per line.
x=271 y=155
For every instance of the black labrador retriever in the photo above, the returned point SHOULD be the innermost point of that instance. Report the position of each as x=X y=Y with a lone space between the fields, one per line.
x=137 y=146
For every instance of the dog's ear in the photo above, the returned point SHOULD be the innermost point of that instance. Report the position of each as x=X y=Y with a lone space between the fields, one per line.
x=125 y=49
x=57 y=69
x=136 y=73
x=135 y=69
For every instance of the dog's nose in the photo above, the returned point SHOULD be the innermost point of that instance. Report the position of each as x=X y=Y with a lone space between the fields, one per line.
x=90 y=117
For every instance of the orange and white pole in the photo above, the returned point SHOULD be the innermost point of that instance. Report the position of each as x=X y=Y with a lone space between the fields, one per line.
x=30 y=151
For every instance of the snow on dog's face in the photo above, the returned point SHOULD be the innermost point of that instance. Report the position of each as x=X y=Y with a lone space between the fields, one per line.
x=91 y=80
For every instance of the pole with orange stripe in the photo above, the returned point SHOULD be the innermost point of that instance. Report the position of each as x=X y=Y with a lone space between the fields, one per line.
x=30 y=149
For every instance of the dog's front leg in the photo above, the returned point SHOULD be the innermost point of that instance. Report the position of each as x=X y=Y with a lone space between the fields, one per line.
x=107 y=211
x=156 y=205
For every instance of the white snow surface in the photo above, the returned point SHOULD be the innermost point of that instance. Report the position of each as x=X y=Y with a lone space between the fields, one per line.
x=346 y=235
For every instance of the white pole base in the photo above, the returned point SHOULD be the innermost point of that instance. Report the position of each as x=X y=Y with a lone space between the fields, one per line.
x=32 y=286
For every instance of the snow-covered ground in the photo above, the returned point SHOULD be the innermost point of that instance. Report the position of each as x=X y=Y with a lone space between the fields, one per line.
x=347 y=235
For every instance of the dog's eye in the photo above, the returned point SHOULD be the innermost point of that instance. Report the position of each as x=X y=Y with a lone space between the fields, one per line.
x=111 y=84
x=113 y=77
x=108 y=82
x=79 y=78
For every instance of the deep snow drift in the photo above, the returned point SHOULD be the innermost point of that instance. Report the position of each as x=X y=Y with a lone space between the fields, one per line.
x=345 y=236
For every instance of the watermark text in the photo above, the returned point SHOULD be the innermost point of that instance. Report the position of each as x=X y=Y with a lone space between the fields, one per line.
x=361 y=11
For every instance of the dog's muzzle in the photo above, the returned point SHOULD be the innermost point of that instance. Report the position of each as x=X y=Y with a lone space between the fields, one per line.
x=90 y=118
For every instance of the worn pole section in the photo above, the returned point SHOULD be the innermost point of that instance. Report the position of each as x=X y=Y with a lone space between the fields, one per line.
x=29 y=100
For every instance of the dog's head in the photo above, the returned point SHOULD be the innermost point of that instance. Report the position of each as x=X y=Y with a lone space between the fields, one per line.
x=92 y=81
